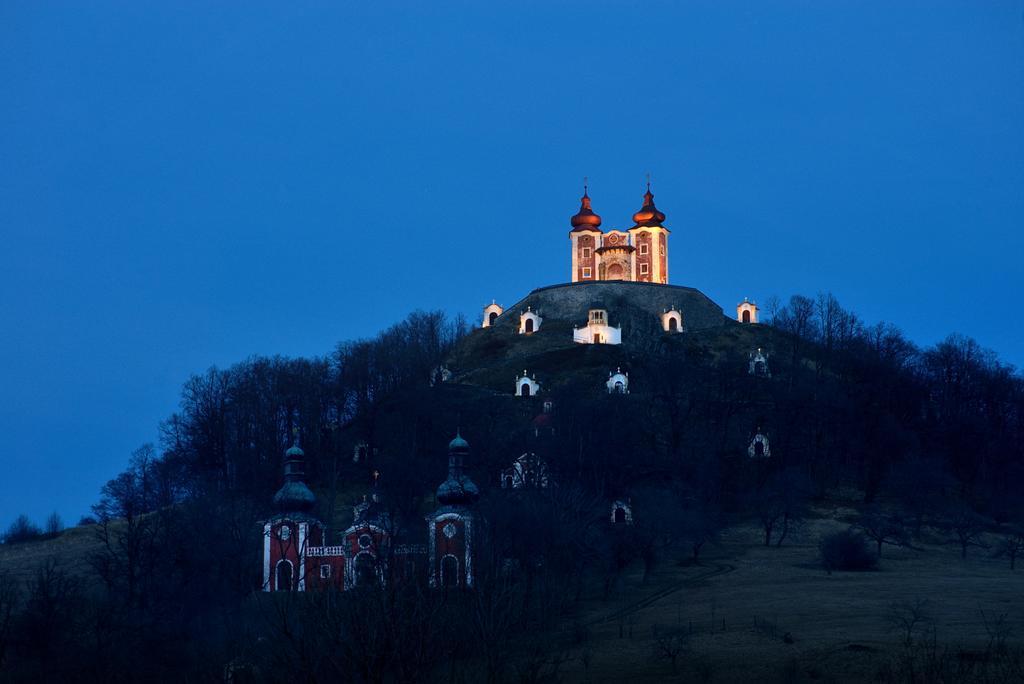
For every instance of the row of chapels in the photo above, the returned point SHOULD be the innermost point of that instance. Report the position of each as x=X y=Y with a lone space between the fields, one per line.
x=527 y=385
x=297 y=556
x=598 y=328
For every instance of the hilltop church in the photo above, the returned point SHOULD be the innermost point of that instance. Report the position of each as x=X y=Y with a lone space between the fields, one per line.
x=605 y=258
x=638 y=254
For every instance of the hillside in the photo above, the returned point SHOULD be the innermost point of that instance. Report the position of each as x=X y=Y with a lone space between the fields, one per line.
x=717 y=561
x=492 y=357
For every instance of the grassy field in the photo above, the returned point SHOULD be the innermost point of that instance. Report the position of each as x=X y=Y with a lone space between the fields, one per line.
x=71 y=550
x=751 y=613
x=748 y=613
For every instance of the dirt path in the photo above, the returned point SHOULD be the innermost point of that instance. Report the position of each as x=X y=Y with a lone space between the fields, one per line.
x=718 y=569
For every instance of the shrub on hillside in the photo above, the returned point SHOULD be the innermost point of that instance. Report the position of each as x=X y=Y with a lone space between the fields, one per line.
x=846 y=550
x=22 y=530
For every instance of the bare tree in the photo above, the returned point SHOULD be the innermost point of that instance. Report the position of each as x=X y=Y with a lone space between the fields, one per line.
x=966 y=527
x=779 y=504
x=54 y=525
x=130 y=529
x=906 y=617
x=668 y=644
x=883 y=528
x=1011 y=544
x=22 y=530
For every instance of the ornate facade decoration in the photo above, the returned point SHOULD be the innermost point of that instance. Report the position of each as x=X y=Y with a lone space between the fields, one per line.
x=372 y=551
x=639 y=253
x=367 y=543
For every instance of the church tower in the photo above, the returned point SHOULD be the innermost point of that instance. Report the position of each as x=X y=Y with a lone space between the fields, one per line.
x=586 y=240
x=450 y=527
x=288 y=534
x=650 y=238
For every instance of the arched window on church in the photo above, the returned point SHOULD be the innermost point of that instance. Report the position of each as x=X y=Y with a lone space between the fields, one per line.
x=620 y=515
x=620 y=388
x=366 y=570
x=525 y=389
x=759 y=368
x=449 y=571
x=746 y=316
x=672 y=324
x=284 y=576
x=491 y=317
x=528 y=326
x=759 y=449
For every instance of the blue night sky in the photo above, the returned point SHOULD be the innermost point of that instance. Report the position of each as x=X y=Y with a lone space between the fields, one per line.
x=188 y=184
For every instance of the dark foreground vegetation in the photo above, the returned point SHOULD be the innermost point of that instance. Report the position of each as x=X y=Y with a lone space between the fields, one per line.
x=930 y=440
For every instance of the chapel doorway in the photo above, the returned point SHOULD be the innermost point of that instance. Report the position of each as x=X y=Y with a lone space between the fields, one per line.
x=284 y=576
x=449 y=571
x=366 y=570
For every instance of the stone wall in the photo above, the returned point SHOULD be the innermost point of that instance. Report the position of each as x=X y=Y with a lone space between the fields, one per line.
x=635 y=306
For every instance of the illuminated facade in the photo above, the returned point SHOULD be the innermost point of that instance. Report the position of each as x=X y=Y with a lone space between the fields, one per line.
x=638 y=254
x=491 y=313
x=672 y=321
x=598 y=330
x=746 y=311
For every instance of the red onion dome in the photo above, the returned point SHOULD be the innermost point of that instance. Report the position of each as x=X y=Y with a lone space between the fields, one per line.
x=648 y=214
x=585 y=219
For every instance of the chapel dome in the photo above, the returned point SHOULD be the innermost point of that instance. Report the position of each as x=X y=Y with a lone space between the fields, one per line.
x=585 y=218
x=457 y=490
x=458 y=443
x=294 y=497
x=648 y=214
